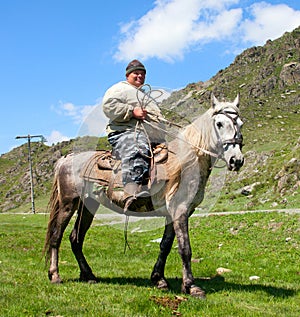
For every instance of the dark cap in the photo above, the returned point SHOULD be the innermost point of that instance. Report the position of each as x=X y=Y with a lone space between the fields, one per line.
x=134 y=65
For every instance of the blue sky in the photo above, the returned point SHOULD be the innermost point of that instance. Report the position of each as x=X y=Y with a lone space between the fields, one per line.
x=58 y=57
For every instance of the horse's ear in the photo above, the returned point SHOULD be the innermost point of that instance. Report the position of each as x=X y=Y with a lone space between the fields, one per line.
x=237 y=101
x=214 y=101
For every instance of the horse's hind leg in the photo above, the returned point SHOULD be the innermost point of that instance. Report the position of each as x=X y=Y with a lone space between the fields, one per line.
x=83 y=222
x=56 y=228
x=158 y=275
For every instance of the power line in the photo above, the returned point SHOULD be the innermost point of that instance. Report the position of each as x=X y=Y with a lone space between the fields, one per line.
x=29 y=137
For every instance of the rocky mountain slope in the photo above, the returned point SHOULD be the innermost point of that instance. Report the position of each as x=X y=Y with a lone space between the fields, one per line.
x=268 y=81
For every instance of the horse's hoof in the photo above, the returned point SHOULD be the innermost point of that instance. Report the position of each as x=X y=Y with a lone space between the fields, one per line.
x=162 y=284
x=56 y=281
x=197 y=292
x=88 y=278
x=54 y=278
x=93 y=281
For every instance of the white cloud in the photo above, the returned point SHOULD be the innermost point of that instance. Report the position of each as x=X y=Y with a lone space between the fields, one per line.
x=223 y=25
x=77 y=113
x=89 y=118
x=56 y=137
x=174 y=27
x=94 y=122
x=269 y=22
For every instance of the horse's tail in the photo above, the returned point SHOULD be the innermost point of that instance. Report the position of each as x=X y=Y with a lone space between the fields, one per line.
x=53 y=207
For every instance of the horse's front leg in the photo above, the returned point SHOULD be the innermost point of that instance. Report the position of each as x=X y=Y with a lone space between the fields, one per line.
x=83 y=222
x=158 y=275
x=184 y=248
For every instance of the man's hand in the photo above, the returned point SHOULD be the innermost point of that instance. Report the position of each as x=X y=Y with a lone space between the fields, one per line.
x=139 y=113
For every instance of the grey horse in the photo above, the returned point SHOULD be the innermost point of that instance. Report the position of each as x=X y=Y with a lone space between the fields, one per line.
x=214 y=135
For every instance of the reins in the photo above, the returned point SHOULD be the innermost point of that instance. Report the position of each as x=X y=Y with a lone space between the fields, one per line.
x=175 y=135
x=143 y=105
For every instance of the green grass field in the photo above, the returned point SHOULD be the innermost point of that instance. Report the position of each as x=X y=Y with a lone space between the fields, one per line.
x=266 y=245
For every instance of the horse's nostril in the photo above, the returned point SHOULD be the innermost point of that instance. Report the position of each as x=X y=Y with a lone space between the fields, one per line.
x=235 y=163
x=239 y=163
x=242 y=162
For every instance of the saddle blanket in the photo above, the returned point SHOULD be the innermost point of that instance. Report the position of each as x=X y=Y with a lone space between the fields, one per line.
x=104 y=169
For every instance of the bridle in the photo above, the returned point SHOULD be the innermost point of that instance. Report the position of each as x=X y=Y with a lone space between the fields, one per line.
x=238 y=137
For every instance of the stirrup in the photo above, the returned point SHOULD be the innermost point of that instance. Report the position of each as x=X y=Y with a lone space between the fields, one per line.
x=129 y=201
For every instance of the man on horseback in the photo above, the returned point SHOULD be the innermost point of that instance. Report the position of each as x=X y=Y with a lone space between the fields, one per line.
x=134 y=129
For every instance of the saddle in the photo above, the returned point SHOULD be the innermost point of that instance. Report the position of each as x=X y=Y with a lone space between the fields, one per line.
x=104 y=169
x=101 y=168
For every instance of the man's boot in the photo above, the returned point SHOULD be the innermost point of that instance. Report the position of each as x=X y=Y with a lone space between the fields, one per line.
x=132 y=192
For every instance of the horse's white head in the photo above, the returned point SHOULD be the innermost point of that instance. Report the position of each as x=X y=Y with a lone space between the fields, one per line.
x=227 y=124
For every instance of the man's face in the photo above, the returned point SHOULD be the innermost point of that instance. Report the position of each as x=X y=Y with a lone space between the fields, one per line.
x=136 y=78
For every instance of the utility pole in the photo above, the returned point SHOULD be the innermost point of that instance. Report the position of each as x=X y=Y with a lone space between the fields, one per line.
x=29 y=137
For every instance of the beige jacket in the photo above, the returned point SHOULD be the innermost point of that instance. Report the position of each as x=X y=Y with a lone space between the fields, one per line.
x=118 y=104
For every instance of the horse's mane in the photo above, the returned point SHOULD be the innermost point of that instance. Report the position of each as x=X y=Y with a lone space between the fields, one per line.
x=186 y=148
x=199 y=132
x=193 y=138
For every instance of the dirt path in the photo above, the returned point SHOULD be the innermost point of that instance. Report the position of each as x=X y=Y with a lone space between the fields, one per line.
x=115 y=218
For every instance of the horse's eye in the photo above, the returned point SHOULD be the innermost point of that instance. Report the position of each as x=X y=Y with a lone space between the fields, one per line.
x=219 y=125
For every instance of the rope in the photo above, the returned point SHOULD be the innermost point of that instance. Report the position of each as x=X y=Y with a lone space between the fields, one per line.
x=147 y=94
x=126 y=244
x=144 y=104
x=148 y=140
x=166 y=121
x=187 y=142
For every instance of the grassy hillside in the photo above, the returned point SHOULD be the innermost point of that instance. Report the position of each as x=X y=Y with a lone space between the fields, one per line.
x=268 y=81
